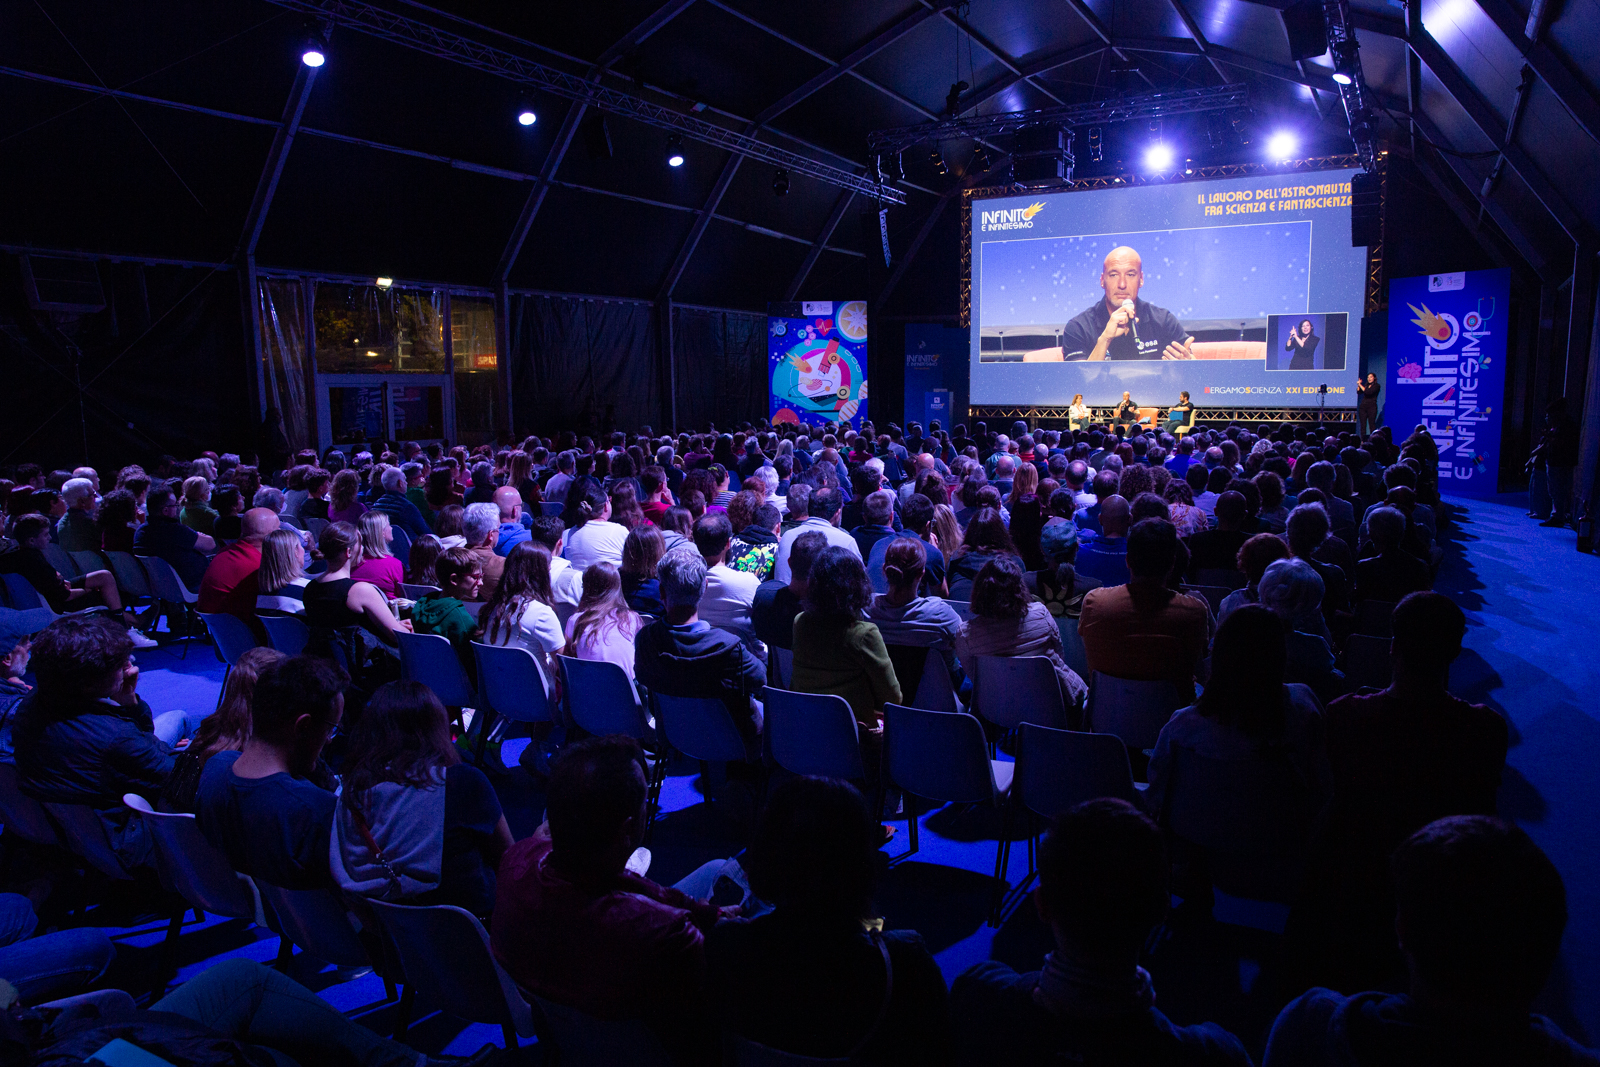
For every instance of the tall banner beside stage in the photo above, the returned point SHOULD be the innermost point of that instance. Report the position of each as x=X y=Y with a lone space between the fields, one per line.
x=1447 y=370
x=817 y=361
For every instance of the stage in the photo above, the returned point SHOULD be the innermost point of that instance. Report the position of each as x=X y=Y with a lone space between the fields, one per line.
x=1056 y=418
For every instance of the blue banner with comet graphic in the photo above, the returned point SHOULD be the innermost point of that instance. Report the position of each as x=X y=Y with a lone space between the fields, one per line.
x=817 y=361
x=1447 y=370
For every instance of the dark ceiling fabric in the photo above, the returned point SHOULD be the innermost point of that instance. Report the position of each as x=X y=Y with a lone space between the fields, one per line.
x=721 y=361
x=584 y=365
x=162 y=369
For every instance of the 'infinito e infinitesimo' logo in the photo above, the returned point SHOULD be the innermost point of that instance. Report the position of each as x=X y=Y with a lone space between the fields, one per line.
x=1017 y=218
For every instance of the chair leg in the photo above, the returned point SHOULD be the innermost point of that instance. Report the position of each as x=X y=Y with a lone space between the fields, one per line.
x=1002 y=856
x=911 y=826
x=408 y=1000
x=285 y=953
x=169 y=947
x=509 y=1032
x=488 y=716
x=389 y=991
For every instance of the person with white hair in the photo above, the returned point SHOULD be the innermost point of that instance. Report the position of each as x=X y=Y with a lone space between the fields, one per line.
x=480 y=525
x=77 y=530
x=1393 y=572
x=393 y=502
x=1292 y=590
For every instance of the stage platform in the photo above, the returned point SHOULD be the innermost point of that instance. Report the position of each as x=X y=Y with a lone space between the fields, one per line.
x=1057 y=418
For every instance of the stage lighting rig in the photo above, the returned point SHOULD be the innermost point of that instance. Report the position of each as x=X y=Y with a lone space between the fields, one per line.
x=674 y=150
x=1282 y=145
x=1097 y=145
x=1158 y=157
x=313 y=52
x=936 y=157
x=1355 y=96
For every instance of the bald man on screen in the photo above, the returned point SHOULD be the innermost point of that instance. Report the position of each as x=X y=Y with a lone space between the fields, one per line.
x=1122 y=326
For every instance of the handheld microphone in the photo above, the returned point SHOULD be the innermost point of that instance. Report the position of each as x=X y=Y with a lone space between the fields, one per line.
x=1133 y=323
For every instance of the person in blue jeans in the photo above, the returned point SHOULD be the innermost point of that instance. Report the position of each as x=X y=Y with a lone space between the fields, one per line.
x=53 y=965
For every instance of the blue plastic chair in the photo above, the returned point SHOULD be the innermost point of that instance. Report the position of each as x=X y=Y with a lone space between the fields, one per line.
x=812 y=733
x=232 y=635
x=1012 y=690
x=21 y=593
x=432 y=660
x=1367 y=663
x=130 y=575
x=167 y=587
x=512 y=685
x=286 y=633
x=602 y=699
x=319 y=923
x=1133 y=710
x=400 y=547
x=700 y=728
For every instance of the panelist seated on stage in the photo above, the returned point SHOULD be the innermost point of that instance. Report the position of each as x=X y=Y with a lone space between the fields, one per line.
x=1112 y=329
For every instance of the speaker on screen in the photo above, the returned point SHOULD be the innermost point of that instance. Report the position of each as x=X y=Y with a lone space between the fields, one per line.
x=1307 y=27
x=1366 y=210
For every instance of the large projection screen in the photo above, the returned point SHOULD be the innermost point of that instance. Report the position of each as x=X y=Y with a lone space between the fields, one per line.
x=1248 y=294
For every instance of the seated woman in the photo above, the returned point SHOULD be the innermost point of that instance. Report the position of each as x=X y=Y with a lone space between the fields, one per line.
x=414 y=824
x=445 y=613
x=281 y=582
x=1005 y=622
x=378 y=564
x=448 y=524
x=1027 y=514
x=1079 y=413
x=595 y=538
x=1255 y=555
x=984 y=540
x=224 y=730
x=640 y=553
x=342 y=612
x=522 y=611
x=196 y=512
x=315 y=505
x=603 y=627
x=342 y=503
x=907 y=618
x=1292 y=590
x=815 y=976
x=119 y=515
x=425 y=552
x=229 y=506
x=1181 y=509
x=1249 y=711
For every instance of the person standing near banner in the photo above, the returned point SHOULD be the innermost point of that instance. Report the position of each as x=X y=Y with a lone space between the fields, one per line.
x=1367 y=404
x=1560 y=450
x=1122 y=326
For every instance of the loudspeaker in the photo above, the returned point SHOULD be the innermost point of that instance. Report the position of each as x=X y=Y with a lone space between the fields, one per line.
x=1041 y=154
x=1307 y=26
x=1366 y=210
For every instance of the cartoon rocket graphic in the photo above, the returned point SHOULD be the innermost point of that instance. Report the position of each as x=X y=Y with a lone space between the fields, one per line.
x=1432 y=325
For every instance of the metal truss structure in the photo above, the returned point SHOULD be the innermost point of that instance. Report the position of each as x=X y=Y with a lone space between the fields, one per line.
x=1226 y=170
x=412 y=33
x=1045 y=416
x=1100 y=113
x=1377 y=294
x=1354 y=94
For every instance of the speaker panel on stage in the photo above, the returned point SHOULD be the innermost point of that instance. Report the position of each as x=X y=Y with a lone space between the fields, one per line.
x=1366 y=210
x=1307 y=27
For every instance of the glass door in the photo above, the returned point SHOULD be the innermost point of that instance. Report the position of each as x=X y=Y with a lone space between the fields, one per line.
x=356 y=410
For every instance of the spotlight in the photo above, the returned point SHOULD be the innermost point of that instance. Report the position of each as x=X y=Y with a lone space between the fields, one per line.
x=1188 y=166
x=936 y=157
x=384 y=283
x=780 y=183
x=526 y=117
x=313 y=54
x=1346 y=55
x=674 y=150
x=1342 y=78
x=982 y=160
x=1096 y=145
x=1282 y=145
x=1158 y=157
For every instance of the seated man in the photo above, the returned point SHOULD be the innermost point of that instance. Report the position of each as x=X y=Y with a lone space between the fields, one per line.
x=1104 y=488
x=1393 y=572
x=918 y=523
x=1105 y=558
x=1144 y=630
x=1308 y=529
x=512 y=529
x=1218 y=549
x=566 y=581
x=572 y=924
x=729 y=594
x=680 y=655
x=777 y=603
x=403 y=514
x=877 y=521
x=83 y=735
x=460 y=575
x=1480 y=915
x=1102 y=888
x=229 y=586
x=823 y=509
x=78 y=531
x=261 y=806
x=481 y=527
x=164 y=537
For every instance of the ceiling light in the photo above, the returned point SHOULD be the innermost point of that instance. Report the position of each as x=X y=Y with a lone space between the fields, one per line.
x=1282 y=145
x=384 y=283
x=780 y=182
x=1158 y=157
x=313 y=54
x=1342 y=78
x=674 y=150
x=526 y=116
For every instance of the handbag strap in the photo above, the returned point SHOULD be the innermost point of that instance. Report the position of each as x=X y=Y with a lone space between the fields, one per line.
x=372 y=843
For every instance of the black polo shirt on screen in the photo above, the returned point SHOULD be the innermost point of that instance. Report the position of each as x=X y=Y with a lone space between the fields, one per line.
x=1157 y=328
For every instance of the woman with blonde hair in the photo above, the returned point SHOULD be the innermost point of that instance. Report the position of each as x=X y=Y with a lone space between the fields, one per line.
x=604 y=626
x=946 y=530
x=378 y=564
x=197 y=512
x=342 y=504
x=224 y=730
x=282 y=580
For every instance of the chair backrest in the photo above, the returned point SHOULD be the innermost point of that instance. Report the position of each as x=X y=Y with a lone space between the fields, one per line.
x=194 y=868
x=286 y=633
x=417 y=592
x=233 y=636
x=1133 y=710
x=1072 y=649
x=962 y=605
x=1375 y=618
x=85 y=835
x=780 y=665
x=1253 y=817
x=700 y=728
x=21 y=593
x=165 y=583
x=129 y=573
x=812 y=733
x=1059 y=768
x=400 y=547
x=445 y=955
x=1214 y=595
x=1367 y=663
x=1012 y=690
x=909 y=662
x=67 y=564
x=939 y=755
x=473 y=607
x=315 y=528
x=317 y=921
x=585 y=1041
x=511 y=681
x=551 y=507
x=21 y=814
x=601 y=698
x=1220 y=576
x=431 y=660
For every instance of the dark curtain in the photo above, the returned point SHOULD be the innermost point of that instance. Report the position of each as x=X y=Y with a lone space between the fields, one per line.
x=160 y=369
x=721 y=365
x=585 y=365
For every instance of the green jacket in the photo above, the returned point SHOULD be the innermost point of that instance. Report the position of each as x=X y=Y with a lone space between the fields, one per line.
x=419 y=496
x=850 y=661
x=447 y=617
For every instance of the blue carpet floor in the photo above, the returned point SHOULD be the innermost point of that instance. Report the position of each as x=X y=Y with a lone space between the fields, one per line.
x=1527 y=594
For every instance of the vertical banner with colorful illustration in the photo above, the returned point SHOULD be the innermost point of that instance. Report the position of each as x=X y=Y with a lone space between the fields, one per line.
x=817 y=361
x=1447 y=370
